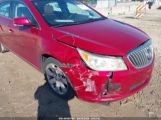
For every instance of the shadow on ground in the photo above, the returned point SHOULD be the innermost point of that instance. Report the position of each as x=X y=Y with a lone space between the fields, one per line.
x=50 y=106
x=159 y=7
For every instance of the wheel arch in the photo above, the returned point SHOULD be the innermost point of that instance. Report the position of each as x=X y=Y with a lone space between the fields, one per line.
x=44 y=57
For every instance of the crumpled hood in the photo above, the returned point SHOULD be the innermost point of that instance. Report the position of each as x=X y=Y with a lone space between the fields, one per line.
x=107 y=37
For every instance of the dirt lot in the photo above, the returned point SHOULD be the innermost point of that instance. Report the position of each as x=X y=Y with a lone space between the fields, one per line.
x=23 y=92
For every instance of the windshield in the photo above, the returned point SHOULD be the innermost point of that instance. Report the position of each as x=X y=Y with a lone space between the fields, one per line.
x=65 y=12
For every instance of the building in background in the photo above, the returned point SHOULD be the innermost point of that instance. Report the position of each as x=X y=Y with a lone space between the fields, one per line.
x=111 y=3
x=107 y=7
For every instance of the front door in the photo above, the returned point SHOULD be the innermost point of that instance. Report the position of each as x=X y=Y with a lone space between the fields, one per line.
x=26 y=38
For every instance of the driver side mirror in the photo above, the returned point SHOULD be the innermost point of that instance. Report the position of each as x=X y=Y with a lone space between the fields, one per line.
x=22 y=22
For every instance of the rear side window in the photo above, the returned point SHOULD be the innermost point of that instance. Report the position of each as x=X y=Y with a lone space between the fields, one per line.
x=4 y=9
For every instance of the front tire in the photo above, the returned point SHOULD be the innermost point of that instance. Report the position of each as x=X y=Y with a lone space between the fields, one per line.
x=57 y=79
x=3 y=49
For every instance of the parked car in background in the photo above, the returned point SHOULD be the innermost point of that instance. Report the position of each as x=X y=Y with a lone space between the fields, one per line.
x=79 y=51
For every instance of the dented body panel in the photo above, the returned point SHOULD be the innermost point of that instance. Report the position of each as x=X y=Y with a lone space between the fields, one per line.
x=105 y=37
x=91 y=85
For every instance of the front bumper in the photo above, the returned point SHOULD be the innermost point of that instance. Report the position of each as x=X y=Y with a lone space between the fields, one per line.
x=96 y=86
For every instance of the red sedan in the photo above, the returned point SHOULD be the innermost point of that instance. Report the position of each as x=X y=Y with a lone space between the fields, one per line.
x=79 y=51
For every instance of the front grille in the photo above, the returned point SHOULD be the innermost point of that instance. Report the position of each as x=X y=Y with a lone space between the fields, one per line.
x=142 y=56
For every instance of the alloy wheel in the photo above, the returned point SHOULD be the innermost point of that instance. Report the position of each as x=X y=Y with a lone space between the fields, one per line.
x=56 y=79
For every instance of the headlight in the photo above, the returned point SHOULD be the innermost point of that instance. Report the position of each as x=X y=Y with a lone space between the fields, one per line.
x=102 y=63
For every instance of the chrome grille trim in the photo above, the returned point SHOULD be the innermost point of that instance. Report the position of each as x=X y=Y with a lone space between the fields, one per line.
x=142 y=56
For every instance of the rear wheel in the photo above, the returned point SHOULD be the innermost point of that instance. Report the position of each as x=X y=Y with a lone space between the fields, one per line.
x=57 y=79
x=3 y=49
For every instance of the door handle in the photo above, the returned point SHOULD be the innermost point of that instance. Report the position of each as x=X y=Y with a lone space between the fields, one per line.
x=10 y=31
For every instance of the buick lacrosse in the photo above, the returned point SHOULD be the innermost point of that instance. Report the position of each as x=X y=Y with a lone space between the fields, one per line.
x=81 y=52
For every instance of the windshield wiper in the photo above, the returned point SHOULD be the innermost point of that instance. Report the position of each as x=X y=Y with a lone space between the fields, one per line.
x=79 y=22
x=93 y=20
x=90 y=20
x=65 y=24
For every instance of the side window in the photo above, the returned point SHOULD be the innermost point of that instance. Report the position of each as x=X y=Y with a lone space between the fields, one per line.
x=79 y=9
x=72 y=8
x=22 y=11
x=4 y=9
x=55 y=6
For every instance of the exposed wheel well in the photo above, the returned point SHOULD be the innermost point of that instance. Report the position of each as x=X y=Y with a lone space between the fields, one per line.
x=44 y=57
x=47 y=59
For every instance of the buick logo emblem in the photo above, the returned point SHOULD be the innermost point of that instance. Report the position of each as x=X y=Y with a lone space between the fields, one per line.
x=149 y=54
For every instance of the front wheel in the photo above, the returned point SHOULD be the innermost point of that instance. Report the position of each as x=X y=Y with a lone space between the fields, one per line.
x=3 y=49
x=57 y=79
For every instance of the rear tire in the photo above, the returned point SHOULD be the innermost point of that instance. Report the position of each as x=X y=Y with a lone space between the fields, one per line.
x=57 y=79
x=3 y=49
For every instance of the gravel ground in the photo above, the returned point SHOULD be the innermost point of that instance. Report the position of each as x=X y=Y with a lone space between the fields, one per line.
x=23 y=92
